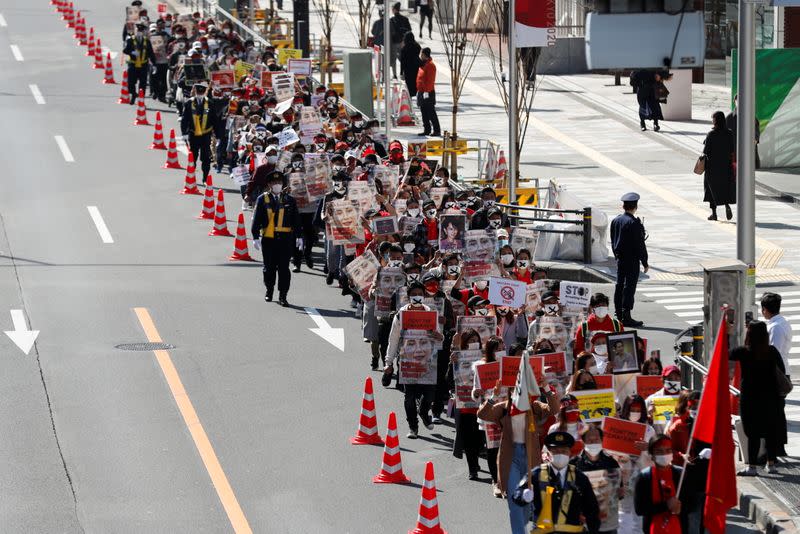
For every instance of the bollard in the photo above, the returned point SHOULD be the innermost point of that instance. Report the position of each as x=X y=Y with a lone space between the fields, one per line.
x=687 y=376
x=697 y=352
x=587 y=235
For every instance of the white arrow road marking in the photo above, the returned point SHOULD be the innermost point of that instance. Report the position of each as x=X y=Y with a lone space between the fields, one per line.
x=334 y=336
x=65 y=151
x=3 y=21
x=17 y=53
x=21 y=336
x=37 y=95
x=102 y=229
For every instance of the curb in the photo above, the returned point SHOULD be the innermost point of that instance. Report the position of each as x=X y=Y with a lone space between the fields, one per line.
x=781 y=195
x=764 y=511
x=575 y=272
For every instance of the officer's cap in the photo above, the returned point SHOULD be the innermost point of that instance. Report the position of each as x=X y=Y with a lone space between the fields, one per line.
x=153 y=27
x=630 y=197
x=141 y=25
x=559 y=439
x=200 y=84
x=275 y=176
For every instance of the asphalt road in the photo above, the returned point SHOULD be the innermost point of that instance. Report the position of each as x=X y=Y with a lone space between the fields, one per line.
x=91 y=437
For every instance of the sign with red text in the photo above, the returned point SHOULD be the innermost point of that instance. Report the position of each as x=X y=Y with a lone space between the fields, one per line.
x=620 y=435
x=418 y=320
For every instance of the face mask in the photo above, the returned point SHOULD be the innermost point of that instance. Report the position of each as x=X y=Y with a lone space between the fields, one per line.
x=272 y=159
x=593 y=369
x=276 y=188
x=297 y=108
x=502 y=311
x=601 y=312
x=559 y=461
x=297 y=164
x=488 y=203
x=601 y=350
x=453 y=270
x=672 y=387
x=473 y=346
x=257 y=148
x=573 y=416
x=507 y=259
x=551 y=309
x=412 y=277
x=409 y=247
x=432 y=287
x=340 y=188
x=634 y=416
x=395 y=263
x=449 y=205
x=462 y=204
x=693 y=414
x=413 y=212
x=522 y=264
x=358 y=124
x=482 y=312
x=226 y=31
x=438 y=181
x=480 y=285
x=337 y=168
x=593 y=449
x=416 y=300
x=431 y=214
x=500 y=354
x=369 y=166
x=663 y=460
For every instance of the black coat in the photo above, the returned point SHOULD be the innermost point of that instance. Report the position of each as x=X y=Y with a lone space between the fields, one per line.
x=760 y=406
x=409 y=65
x=643 y=497
x=719 y=181
x=647 y=96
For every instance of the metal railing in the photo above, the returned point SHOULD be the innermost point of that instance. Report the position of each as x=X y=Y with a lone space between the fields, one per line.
x=688 y=355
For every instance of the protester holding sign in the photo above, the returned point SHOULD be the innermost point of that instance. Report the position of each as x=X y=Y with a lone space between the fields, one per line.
x=599 y=320
x=468 y=438
x=655 y=496
x=604 y=474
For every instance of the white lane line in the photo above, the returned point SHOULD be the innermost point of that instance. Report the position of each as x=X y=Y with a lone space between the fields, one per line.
x=795 y=339
x=65 y=151
x=17 y=54
x=102 y=229
x=683 y=300
x=791 y=317
x=782 y=294
x=794 y=350
x=683 y=307
x=679 y=294
x=658 y=288
x=690 y=314
x=3 y=23
x=795 y=326
x=37 y=94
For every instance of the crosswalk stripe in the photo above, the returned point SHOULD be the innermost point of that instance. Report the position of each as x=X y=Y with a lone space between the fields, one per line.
x=678 y=294
x=783 y=294
x=657 y=288
x=680 y=300
x=690 y=314
x=795 y=339
x=795 y=326
x=683 y=307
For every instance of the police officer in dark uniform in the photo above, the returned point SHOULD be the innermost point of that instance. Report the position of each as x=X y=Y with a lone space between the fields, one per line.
x=140 y=54
x=628 y=244
x=276 y=232
x=560 y=492
x=197 y=123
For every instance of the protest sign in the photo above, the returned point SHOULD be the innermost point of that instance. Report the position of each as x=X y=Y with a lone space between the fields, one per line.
x=605 y=483
x=472 y=271
x=437 y=194
x=384 y=226
x=284 y=54
x=604 y=381
x=537 y=366
x=287 y=137
x=479 y=245
x=159 y=44
x=555 y=363
x=389 y=281
x=409 y=225
x=533 y=297
x=523 y=238
x=486 y=326
x=301 y=67
x=222 y=79
x=194 y=73
x=400 y=206
x=388 y=176
x=283 y=85
x=620 y=435
x=318 y=182
x=418 y=320
x=240 y=175
x=509 y=369
x=595 y=404
x=266 y=79
x=241 y=69
x=646 y=385
x=297 y=188
x=344 y=227
x=418 y=360
x=574 y=294
x=363 y=194
x=488 y=375
x=161 y=8
x=464 y=377
x=664 y=408
x=555 y=330
x=361 y=272
x=507 y=292
x=451 y=232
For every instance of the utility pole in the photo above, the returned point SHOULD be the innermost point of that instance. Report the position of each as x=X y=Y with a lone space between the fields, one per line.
x=512 y=104
x=387 y=67
x=745 y=139
x=251 y=15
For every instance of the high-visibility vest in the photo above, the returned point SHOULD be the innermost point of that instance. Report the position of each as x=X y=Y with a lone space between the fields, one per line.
x=141 y=58
x=200 y=127
x=274 y=222
x=544 y=523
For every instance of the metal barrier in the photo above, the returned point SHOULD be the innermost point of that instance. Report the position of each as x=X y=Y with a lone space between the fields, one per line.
x=585 y=222
x=688 y=354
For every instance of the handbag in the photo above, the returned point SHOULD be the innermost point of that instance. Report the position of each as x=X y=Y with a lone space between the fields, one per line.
x=784 y=385
x=700 y=164
x=662 y=93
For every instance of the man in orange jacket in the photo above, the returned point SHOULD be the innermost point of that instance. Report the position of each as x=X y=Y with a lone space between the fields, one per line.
x=426 y=94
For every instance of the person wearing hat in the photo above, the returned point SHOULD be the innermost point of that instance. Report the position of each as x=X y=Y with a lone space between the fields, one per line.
x=197 y=123
x=140 y=54
x=671 y=377
x=562 y=496
x=276 y=232
x=655 y=495
x=628 y=245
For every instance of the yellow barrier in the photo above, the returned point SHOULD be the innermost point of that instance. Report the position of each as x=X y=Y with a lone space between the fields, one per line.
x=435 y=147
x=526 y=196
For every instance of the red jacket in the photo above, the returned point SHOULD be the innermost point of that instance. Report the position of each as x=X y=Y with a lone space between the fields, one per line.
x=426 y=77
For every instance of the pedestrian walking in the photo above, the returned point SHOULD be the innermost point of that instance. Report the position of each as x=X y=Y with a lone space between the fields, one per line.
x=276 y=232
x=760 y=402
x=426 y=94
x=648 y=85
x=197 y=123
x=655 y=495
x=140 y=54
x=399 y=26
x=730 y=122
x=720 y=179
x=628 y=238
x=425 y=12
x=594 y=458
x=409 y=62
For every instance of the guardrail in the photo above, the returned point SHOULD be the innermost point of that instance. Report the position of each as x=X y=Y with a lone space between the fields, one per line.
x=688 y=355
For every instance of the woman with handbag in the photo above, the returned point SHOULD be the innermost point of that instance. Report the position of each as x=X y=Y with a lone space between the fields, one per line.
x=760 y=405
x=719 y=180
x=650 y=91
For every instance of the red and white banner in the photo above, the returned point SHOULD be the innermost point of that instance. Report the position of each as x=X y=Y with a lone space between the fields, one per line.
x=535 y=23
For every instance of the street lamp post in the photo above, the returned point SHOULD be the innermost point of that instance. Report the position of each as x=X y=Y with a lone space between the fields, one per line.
x=387 y=65
x=512 y=105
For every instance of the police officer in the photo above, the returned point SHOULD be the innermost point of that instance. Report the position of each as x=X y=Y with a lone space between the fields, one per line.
x=560 y=492
x=140 y=54
x=628 y=245
x=276 y=232
x=197 y=123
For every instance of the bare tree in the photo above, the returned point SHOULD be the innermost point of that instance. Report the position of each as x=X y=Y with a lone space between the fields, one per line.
x=327 y=10
x=364 y=18
x=462 y=40
x=527 y=80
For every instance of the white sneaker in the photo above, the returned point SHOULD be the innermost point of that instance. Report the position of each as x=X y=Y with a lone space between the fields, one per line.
x=245 y=206
x=412 y=435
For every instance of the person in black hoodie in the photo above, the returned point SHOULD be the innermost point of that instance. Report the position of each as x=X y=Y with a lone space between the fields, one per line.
x=409 y=62
x=655 y=496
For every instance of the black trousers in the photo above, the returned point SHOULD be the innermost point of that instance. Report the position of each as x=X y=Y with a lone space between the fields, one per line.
x=137 y=75
x=430 y=120
x=158 y=79
x=222 y=149
x=470 y=436
x=201 y=144
x=309 y=238
x=425 y=12
x=418 y=399
x=277 y=253
x=627 y=278
x=754 y=446
x=442 y=391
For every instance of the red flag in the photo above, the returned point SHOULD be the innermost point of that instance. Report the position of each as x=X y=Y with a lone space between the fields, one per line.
x=713 y=425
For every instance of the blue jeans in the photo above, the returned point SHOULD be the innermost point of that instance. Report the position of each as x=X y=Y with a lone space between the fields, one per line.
x=518 y=515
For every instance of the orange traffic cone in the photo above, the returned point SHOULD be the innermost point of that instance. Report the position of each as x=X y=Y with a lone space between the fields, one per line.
x=90 y=43
x=240 y=252
x=428 y=517
x=367 y=433
x=404 y=116
x=190 y=183
x=80 y=32
x=141 y=111
x=109 y=79
x=391 y=467
x=502 y=167
x=172 y=153
x=69 y=16
x=124 y=95
x=208 y=201
x=158 y=135
x=220 y=219
x=98 y=55
x=77 y=33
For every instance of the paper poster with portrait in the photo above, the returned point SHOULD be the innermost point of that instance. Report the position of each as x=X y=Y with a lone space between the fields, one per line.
x=363 y=194
x=344 y=226
x=533 y=297
x=437 y=194
x=194 y=73
x=131 y=16
x=479 y=245
x=451 y=232
x=389 y=280
x=318 y=181
x=418 y=358
x=486 y=326
x=523 y=238
x=464 y=377
x=459 y=309
x=222 y=79
x=384 y=225
x=297 y=188
x=361 y=272
x=473 y=271
x=408 y=225
x=283 y=85
x=389 y=177
x=605 y=483
x=159 y=44
x=553 y=329
x=622 y=352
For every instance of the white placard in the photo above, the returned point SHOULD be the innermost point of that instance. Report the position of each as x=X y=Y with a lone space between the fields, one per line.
x=574 y=294
x=507 y=292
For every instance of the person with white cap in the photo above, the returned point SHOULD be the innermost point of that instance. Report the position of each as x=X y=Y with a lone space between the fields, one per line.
x=197 y=123
x=628 y=244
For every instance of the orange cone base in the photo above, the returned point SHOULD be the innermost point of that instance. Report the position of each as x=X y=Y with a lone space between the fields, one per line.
x=204 y=216
x=397 y=478
x=405 y=121
x=240 y=257
x=123 y=101
x=158 y=146
x=436 y=530
x=140 y=122
x=109 y=82
x=374 y=439
x=187 y=191
x=175 y=165
x=223 y=232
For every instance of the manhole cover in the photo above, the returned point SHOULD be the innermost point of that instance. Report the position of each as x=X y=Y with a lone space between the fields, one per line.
x=145 y=346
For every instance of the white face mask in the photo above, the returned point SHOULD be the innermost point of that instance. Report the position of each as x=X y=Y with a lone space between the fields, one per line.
x=482 y=312
x=551 y=309
x=453 y=270
x=507 y=259
x=663 y=460
x=409 y=247
x=340 y=189
x=494 y=223
x=416 y=300
x=601 y=312
x=601 y=350
x=693 y=414
x=593 y=449
x=438 y=181
x=559 y=461
x=488 y=203
x=431 y=214
x=672 y=387
x=473 y=346
x=272 y=159
x=276 y=188
x=634 y=416
x=413 y=212
x=394 y=263
x=480 y=285
x=412 y=277
x=523 y=264
x=593 y=369
x=500 y=354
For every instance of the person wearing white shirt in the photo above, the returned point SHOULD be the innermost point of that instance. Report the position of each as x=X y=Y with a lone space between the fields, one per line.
x=780 y=331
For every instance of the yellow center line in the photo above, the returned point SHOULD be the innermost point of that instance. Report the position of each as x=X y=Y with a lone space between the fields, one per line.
x=201 y=441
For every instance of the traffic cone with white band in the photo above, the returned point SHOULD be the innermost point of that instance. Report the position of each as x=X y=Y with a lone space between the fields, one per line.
x=428 y=517
x=391 y=466
x=240 y=252
x=367 y=433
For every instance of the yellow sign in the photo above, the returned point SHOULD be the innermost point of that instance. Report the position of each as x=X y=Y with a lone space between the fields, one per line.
x=285 y=53
x=526 y=196
x=280 y=44
x=241 y=69
x=436 y=147
x=664 y=408
x=595 y=404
